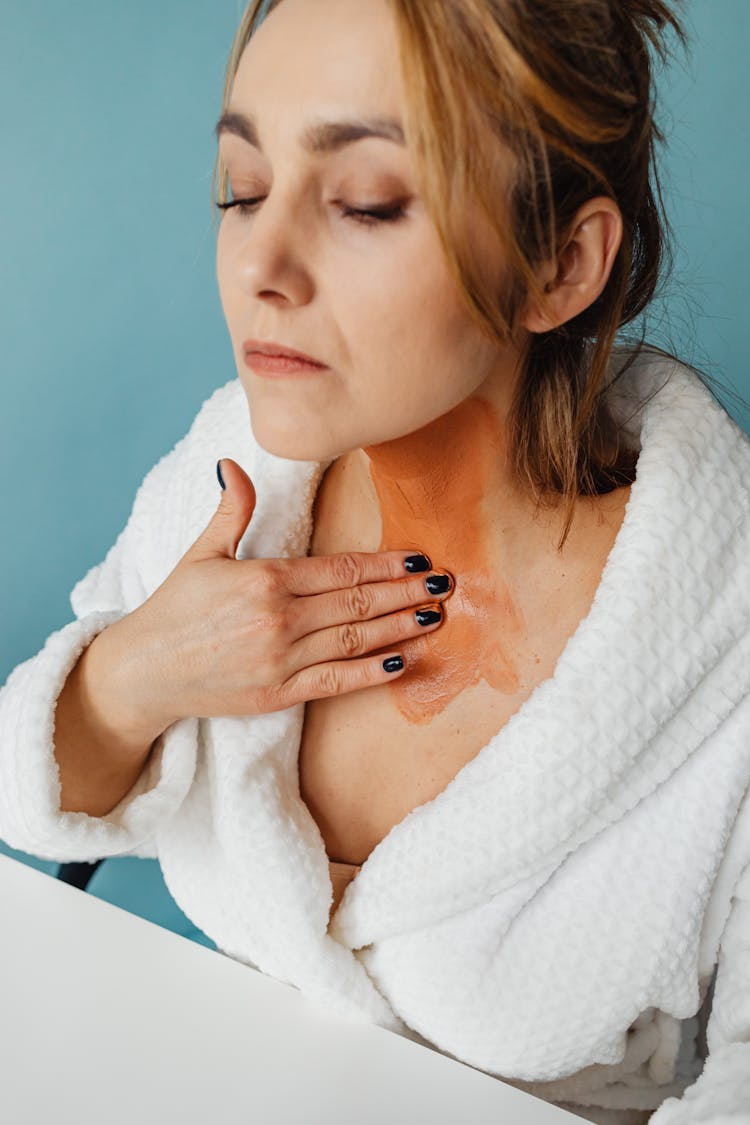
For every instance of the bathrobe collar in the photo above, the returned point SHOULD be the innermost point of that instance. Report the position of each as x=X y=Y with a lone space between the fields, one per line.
x=543 y=785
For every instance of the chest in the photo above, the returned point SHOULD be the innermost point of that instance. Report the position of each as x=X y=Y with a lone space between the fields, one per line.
x=363 y=765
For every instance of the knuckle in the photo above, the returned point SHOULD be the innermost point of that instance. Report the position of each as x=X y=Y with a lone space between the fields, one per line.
x=274 y=665
x=351 y=638
x=282 y=622
x=330 y=680
x=347 y=569
x=359 y=602
x=292 y=613
x=267 y=626
x=271 y=576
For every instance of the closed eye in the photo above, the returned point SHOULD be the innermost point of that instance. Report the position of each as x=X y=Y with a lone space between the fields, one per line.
x=366 y=216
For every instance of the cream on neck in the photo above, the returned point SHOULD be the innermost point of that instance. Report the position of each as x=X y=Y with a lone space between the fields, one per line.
x=432 y=491
x=446 y=489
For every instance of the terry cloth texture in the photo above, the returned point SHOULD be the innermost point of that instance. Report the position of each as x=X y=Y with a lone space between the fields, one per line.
x=557 y=915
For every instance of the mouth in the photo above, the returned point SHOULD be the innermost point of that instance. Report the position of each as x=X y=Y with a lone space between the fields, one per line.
x=272 y=349
x=276 y=365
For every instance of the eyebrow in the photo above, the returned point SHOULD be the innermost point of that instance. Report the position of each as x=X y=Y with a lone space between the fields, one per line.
x=318 y=136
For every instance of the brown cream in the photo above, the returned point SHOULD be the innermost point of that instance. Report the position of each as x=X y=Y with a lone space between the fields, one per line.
x=431 y=486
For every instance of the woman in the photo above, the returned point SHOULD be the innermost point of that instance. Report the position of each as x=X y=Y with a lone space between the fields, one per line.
x=526 y=842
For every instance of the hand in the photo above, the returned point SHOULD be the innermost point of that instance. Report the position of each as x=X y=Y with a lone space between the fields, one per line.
x=228 y=636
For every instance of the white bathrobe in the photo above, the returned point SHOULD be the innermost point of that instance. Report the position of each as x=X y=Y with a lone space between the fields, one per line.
x=554 y=917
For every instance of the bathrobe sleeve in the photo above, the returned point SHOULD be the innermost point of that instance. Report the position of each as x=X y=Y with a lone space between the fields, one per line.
x=721 y=1093
x=30 y=815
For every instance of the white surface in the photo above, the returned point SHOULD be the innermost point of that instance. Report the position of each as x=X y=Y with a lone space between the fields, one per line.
x=108 y=1017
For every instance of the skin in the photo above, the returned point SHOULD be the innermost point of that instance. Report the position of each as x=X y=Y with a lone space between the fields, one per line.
x=413 y=409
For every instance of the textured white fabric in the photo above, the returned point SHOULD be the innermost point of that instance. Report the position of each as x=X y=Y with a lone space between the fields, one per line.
x=555 y=916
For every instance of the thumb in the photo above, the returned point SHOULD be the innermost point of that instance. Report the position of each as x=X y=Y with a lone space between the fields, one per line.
x=229 y=522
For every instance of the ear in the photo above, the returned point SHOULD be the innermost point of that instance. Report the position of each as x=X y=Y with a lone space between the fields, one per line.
x=583 y=265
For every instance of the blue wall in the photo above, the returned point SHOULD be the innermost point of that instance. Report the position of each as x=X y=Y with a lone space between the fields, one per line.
x=705 y=113
x=112 y=332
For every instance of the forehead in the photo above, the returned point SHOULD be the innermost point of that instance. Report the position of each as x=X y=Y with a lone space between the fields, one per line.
x=322 y=58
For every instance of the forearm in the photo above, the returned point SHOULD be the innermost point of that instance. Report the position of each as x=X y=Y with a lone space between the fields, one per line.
x=100 y=751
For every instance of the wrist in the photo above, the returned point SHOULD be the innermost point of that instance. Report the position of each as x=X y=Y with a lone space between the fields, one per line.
x=111 y=671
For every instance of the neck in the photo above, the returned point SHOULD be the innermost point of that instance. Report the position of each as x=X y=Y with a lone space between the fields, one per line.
x=432 y=485
x=446 y=490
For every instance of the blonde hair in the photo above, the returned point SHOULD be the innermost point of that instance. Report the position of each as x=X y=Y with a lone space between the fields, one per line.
x=531 y=107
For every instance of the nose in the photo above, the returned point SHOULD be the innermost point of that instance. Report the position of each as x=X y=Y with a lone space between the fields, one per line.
x=272 y=251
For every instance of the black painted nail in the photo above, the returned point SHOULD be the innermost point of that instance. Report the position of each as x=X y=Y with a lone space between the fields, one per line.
x=218 y=473
x=427 y=616
x=393 y=664
x=437 y=583
x=415 y=563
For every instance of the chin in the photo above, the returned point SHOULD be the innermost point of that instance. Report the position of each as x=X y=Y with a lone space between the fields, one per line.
x=288 y=434
x=291 y=446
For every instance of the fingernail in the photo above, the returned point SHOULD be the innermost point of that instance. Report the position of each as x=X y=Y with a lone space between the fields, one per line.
x=427 y=616
x=393 y=664
x=415 y=563
x=437 y=583
x=218 y=473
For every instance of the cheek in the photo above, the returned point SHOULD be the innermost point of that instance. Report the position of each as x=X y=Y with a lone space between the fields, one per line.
x=234 y=302
x=418 y=354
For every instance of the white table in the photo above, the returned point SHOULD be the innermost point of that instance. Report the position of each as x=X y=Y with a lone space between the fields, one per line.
x=108 y=1018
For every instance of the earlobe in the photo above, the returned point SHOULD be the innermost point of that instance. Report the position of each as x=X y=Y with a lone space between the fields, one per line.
x=546 y=317
x=556 y=295
x=538 y=320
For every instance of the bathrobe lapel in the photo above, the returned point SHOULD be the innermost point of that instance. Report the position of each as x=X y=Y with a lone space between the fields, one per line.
x=650 y=670
x=662 y=652
x=259 y=872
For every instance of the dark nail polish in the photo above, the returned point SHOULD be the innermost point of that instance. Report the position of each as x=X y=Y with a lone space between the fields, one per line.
x=427 y=616
x=415 y=563
x=218 y=473
x=437 y=583
x=393 y=664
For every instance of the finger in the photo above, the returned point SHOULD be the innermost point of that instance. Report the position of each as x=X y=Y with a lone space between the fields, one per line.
x=319 y=574
x=360 y=603
x=357 y=639
x=340 y=676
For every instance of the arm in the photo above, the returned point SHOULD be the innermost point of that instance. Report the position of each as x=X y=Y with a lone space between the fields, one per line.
x=100 y=754
x=721 y=1093
x=35 y=816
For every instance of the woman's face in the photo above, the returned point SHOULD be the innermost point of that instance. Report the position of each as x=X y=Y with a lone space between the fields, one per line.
x=371 y=299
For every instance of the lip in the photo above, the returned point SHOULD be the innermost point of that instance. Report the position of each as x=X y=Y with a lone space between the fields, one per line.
x=272 y=348
x=280 y=365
